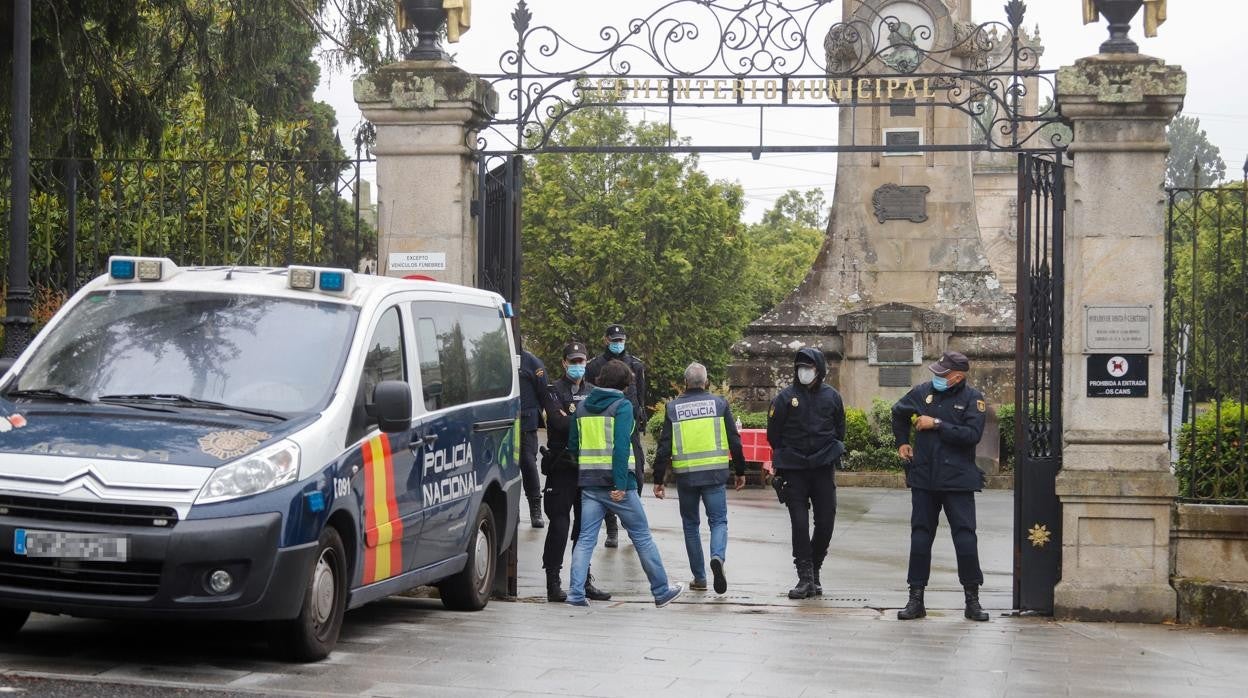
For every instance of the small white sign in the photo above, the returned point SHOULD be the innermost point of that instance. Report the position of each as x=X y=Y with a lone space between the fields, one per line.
x=418 y=261
x=1118 y=328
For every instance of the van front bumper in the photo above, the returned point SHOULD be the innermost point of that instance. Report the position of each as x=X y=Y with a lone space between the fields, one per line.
x=165 y=575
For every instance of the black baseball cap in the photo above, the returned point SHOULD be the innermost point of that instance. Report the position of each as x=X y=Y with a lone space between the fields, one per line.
x=950 y=361
x=615 y=332
x=575 y=350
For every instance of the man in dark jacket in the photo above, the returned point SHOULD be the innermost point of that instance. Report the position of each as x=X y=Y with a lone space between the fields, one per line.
x=533 y=389
x=948 y=419
x=806 y=430
x=562 y=493
x=615 y=340
x=699 y=441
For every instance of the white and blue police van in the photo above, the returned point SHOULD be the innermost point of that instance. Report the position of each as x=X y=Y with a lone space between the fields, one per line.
x=258 y=444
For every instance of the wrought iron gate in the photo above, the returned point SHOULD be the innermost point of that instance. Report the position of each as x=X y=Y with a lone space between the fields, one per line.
x=498 y=226
x=1038 y=381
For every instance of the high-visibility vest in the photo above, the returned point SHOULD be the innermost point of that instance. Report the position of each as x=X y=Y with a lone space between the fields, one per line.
x=699 y=435
x=597 y=445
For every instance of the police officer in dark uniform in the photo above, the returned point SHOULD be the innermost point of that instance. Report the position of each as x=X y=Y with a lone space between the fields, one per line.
x=533 y=389
x=806 y=430
x=615 y=339
x=948 y=419
x=563 y=494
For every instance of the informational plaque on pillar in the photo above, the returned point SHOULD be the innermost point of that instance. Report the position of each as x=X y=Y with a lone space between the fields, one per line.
x=418 y=261
x=1118 y=375
x=1118 y=328
x=893 y=202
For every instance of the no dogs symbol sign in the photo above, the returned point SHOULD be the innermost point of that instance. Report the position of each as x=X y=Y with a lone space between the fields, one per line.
x=1118 y=375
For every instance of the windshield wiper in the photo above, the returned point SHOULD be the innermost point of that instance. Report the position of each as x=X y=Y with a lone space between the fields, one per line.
x=185 y=400
x=49 y=394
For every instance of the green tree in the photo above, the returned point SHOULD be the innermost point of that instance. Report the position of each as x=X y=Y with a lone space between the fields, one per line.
x=783 y=246
x=643 y=239
x=1188 y=144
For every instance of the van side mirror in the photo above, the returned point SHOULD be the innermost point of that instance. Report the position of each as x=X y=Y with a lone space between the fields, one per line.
x=6 y=363
x=392 y=406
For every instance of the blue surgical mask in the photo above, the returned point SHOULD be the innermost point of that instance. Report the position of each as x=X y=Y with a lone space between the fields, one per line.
x=616 y=347
x=940 y=384
x=576 y=371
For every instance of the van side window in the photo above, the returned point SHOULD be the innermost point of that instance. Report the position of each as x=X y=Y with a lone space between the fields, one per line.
x=383 y=361
x=464 y=354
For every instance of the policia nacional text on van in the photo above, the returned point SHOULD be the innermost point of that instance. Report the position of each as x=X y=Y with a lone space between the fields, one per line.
x=260 y=444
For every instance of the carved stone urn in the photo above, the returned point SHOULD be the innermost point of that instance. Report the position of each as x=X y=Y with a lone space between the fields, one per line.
x=1119 y=13
x=427 y=16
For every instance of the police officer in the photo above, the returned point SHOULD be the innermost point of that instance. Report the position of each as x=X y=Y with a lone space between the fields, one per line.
x=806 y=430
x=698 y=441
x=948 y=419
x=533 y=388
x=563 y=494
x=615 y=340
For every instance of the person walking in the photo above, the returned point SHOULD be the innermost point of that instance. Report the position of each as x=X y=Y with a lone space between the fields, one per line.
x=948 y=418
x=562 y=495
x=699 y=441
x=806 y=430
x=615 y=340
x=600 y=440
x=533 y=388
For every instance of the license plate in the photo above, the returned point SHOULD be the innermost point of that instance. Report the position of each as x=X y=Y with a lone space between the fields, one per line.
x=70 y=546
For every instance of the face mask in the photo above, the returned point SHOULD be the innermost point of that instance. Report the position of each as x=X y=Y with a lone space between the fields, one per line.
x=940 y=384
x=576 y=371
x=616 y=347
x=806 y=375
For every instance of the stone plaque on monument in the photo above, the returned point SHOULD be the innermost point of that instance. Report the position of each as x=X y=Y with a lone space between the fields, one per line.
x=903 y=140
x=895 y=376
x=894 y=202
x=895 y=348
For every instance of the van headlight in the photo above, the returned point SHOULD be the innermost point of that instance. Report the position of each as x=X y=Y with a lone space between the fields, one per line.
x=262 y=471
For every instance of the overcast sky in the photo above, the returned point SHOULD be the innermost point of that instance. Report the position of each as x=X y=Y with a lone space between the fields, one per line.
x=1207 y=38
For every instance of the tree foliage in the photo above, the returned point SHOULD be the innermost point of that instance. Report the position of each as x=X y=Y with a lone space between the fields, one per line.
x=645 y=240
x=784 y=246
x=1188 y=144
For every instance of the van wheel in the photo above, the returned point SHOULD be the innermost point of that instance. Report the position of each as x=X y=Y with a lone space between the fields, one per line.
x=312 y=635
x=11 y=621
x=470 y=589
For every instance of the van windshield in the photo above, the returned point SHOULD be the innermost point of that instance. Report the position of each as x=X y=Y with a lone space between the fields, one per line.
x=256 y=352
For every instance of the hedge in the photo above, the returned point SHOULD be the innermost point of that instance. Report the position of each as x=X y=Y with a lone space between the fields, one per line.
x=1214 y=465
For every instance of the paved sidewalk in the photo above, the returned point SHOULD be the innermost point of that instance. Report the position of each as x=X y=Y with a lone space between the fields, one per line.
x=753 y=642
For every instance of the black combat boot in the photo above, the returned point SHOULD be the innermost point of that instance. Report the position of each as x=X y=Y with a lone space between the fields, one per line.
x=973 y=610
x=805 y=580
x=814 y=579
x=554 y=587
x=914 y=607
x=593 y=593
x=535 y=513
x=613 y=532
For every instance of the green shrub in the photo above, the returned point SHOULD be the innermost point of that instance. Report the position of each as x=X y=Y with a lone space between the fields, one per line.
x=752 y=420
x=655 y=425
x=1005 y=445
x=1214 y=465
x=881 y=422
x=857 y=430
x=874 y=458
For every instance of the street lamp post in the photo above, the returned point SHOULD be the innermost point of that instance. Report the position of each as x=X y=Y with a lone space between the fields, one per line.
x=17 y=320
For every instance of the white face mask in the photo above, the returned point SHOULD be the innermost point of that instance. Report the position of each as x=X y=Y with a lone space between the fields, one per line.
x=806 y=375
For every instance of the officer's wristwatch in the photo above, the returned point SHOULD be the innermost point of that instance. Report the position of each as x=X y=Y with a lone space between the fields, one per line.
x=936 y=421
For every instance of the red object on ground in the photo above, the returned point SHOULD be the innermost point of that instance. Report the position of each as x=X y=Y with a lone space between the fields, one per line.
x=419 y=277
x=757 y=449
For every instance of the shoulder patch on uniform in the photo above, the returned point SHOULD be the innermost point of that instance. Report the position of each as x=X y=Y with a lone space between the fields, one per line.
x=793 y=402
x=772 y=412
x=929 y=399
x=983 y=406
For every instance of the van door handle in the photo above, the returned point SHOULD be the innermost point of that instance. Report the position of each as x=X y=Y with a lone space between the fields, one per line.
x=430 y=439
x=425 y=441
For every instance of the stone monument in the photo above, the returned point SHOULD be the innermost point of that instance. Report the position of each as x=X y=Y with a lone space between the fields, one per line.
x=903 y=274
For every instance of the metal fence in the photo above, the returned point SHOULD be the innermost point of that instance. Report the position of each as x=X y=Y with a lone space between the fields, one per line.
x=196 y=212
x=1206 y=366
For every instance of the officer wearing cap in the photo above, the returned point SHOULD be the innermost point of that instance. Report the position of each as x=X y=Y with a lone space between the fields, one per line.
x=563 y=494
x=948 y=416
x=533 y=388
x=615 y=340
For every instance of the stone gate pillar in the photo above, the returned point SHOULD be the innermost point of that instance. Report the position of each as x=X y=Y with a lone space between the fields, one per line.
x=425 y=111
x=1115 y=484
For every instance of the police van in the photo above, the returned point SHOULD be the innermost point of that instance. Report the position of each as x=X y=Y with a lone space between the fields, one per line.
x=257 y=444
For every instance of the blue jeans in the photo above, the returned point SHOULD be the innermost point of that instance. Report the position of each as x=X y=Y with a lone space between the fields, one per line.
x=715 y=497
x=595 y=503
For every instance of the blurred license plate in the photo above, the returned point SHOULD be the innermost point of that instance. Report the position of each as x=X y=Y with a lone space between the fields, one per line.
x=73 y=546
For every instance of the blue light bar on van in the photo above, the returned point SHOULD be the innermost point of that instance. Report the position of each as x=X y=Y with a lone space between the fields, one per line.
x=333 y=281
x=338 y=282
x=124 y=269
x=508 y=310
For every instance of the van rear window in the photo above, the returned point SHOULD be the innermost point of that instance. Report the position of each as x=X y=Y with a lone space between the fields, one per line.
x=464 y=353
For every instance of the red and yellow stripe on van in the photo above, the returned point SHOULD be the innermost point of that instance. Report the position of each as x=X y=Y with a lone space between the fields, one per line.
x=383 y=525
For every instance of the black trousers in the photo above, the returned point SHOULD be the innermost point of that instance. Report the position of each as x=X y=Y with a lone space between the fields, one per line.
x=811 y=490
x=530 y=477
x=563 y=508
x=925 y=506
